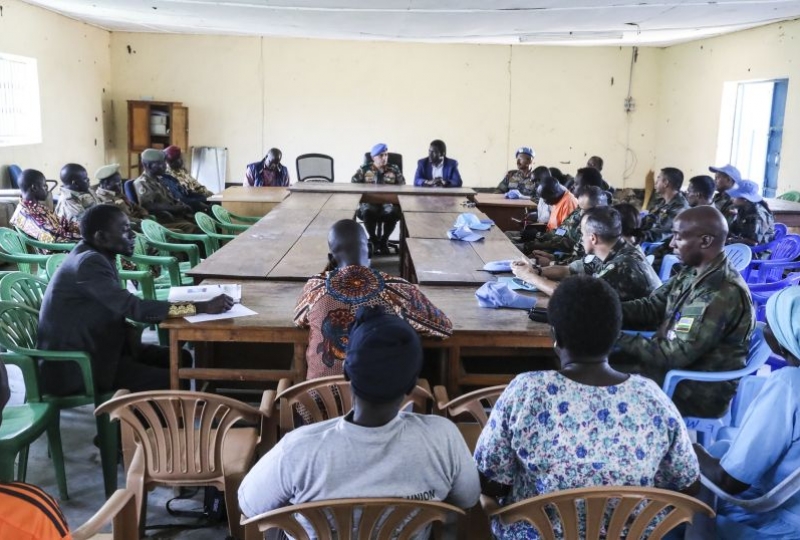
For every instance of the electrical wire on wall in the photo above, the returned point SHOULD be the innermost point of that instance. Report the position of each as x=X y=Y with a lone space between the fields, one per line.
x=261 y=76
x=630 y=105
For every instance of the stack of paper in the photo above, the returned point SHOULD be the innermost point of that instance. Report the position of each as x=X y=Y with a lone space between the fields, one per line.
x=202 y=293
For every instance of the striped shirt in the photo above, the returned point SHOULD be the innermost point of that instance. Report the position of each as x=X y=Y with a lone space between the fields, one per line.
x=28 y=513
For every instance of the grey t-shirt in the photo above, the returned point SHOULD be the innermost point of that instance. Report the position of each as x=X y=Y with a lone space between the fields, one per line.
x=414 y=456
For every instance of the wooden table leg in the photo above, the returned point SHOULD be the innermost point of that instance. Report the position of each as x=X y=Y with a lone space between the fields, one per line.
x=174 y=360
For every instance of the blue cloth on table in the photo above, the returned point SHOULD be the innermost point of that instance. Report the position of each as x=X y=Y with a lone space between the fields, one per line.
x=463 y=233
x=494 y=294
x=513 y=194
x=471 y=220
x=498 y=266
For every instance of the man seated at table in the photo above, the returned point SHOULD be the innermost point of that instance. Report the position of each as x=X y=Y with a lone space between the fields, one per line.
x=566 y=239
x=29 y=513
x=437 y=170
x=657 y=225
x=558 y=201
x=378 y=170
x=33 y=217
x=725 y=178
x=330 y=300
x=156 y=199
x=766 y=448
x=596 y=163
x=520 y=178
x=75 y=197
x=610 y=257
x=268 y=172
x=375 y=450
x=703 y=318
x=109 y=191
x=85 y=309
x=176 y=169
x=752 y=223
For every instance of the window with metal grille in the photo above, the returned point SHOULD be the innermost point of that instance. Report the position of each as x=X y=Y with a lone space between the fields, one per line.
x=20 y=115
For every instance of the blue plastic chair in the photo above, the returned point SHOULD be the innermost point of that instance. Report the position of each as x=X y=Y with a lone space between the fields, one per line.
x=14 y=172
x=707 y=428
x=749 y=387
x=760 y=292
x=667 y=263
x=650 y=247
x=783 y=257
x=740 y=256
x=780 y=231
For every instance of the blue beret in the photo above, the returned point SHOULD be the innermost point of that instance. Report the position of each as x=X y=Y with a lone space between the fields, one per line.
x=378 y=149
x=526 y=150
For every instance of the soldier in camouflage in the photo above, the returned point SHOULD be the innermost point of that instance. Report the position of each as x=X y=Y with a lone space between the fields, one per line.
x=658 y=223
x=610 y=258
x=724 y=179
x=378 y=170
x=521 y=178
x=567 y=238
x=753 y=223
x=703 y=318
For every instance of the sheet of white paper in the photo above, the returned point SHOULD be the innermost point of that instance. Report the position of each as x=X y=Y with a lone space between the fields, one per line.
x=238 y=310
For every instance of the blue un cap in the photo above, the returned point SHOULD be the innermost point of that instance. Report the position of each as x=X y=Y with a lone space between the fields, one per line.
x=494 y=294
x=471 y=220
x=526 y=150
x=378 y=149
x=730 y=170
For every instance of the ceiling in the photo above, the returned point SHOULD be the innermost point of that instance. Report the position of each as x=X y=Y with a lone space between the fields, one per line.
x=552 y=22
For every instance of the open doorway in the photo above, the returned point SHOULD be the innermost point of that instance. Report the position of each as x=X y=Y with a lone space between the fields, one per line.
x=751 y=130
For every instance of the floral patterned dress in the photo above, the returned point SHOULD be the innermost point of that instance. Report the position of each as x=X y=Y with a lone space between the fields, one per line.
x=549 y=433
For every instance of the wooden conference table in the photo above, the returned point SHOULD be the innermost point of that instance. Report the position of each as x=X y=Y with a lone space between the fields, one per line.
x=274 y=301
x=250 y=201
x=273 y=259
x=786 y=212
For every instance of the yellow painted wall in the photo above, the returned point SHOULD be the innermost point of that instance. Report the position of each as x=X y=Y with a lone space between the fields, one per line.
x=692 y=78
x=340 y=97
x=74 y=83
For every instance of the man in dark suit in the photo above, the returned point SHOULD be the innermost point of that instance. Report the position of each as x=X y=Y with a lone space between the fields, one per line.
x=437 y=170
x=84 y=309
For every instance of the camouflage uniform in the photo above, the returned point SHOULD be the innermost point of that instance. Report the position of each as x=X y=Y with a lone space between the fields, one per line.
x=723 y=203
x=518 y=180
x=562 y=239
x=150 y=191
x=625 y=269
x=374 y=213
x=753 y=222
x=703 y=322
x=657 y=225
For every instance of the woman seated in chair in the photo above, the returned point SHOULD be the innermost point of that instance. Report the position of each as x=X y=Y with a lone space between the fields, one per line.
x=586 y=424
x=766 y=449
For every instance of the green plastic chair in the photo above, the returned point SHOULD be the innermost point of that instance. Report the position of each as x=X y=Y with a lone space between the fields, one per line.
x=228 y=218
x=159 y=237
x=53 y=263
x=24 y=289
x=14 y=251
x=44 y=247
x=169 y=272
x=25 y=423
x=209 y=226
x=793 y=196
x=18 y=334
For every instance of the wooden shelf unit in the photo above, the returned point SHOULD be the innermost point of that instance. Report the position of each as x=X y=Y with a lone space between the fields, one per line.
x=140 y=133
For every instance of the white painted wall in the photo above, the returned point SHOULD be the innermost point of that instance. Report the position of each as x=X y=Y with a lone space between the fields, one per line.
x=340 y=97
x=692 y=80
x=74 y=83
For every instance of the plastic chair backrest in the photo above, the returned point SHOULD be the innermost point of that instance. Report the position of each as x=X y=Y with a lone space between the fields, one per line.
x=12 y=244
x=793 y=196
x=739 y=255
x=475 y=403
x=381 y=519
x=667 y=263
x=314 y=168
x=787 y=248
x=760 y=292
x=780 y=231
x=19 y=326
x=629 y=509
x=222 y=213
x=14 y=172
x=180 y=433
x=130 y=192
x=328 y=397
x=154 y=231
x=53 y=262
x=23 y=288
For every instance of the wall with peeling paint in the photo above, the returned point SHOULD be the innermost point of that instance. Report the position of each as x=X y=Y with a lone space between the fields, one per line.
x=692 y=78
x=340 y=97
x=74 y=86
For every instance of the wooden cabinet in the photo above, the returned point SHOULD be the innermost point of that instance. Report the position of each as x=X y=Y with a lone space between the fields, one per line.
x=155 y=124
